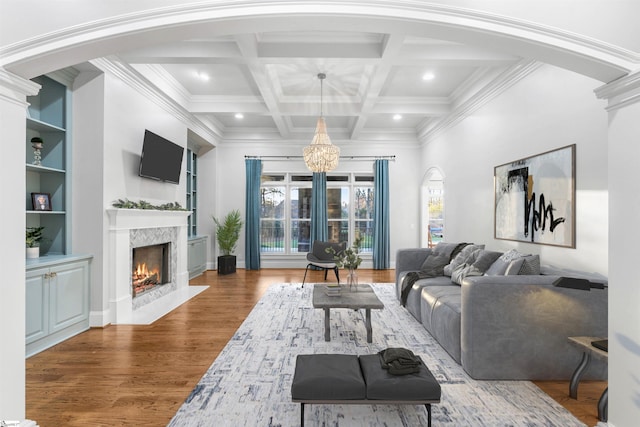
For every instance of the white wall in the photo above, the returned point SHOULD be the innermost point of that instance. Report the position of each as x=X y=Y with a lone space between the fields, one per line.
x=87 y=190
x=12 y=253
x=404 y=181
x=206 y=204
x=624 y=294
x=110 y=118
x=549 y=109
x=127 y=115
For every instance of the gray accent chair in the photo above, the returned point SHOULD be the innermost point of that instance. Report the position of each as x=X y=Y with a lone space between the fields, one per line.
x=321 y=259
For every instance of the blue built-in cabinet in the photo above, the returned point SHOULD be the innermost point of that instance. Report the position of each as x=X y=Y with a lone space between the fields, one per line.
x=47 y=119
x=57 y=297
x=58 y=282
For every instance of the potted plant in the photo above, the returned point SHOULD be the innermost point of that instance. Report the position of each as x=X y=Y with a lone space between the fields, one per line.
x=349 y=259
x=32 y=240
x=227 y=235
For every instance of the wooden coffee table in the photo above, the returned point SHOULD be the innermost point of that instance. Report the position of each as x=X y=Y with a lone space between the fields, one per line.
x=361 y=298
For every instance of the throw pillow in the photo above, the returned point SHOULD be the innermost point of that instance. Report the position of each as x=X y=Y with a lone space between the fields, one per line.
x=499 y=267
x=464 y=270
x=437 y=259
x=485 y=259
x=434 y=264
x=467 y=255
x=526 y=265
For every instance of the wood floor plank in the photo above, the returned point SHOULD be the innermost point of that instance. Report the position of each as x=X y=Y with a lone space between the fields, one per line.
x=140 y=375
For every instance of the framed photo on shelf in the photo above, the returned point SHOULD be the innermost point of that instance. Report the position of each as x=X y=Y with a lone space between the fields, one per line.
x=41 y=201
x=535 y=199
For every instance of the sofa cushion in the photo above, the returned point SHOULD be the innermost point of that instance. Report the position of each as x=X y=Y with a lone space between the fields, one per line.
x=440 y=314
x=413 y=298
x=466 y=255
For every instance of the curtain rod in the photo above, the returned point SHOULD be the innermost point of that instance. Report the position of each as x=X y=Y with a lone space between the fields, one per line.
x=392 y=158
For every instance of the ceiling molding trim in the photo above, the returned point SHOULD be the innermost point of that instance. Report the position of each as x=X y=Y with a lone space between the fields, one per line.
x=164 y=78
x=211 y=122
x=135 y=80
x=24 y=50
x=620 y=93
x=17 y=86
x=507 y=79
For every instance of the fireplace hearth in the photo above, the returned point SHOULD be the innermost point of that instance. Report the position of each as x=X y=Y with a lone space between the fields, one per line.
x=150 y=268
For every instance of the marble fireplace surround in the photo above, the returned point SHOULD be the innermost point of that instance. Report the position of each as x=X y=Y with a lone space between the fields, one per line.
x=129 y=228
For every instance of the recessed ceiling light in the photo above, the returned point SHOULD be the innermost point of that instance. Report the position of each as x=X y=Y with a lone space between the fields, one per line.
x=397 y=117
x=239 y=116
x=203 y=76
x=428 y=76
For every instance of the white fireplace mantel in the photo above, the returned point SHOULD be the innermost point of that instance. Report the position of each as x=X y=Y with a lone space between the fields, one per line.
x=118 y=269
x=145 y=218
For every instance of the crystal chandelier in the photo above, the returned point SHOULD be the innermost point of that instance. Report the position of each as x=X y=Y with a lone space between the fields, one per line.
x=321 y=155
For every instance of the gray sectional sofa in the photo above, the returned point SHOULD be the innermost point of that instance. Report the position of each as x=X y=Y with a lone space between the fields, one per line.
x=505 y=327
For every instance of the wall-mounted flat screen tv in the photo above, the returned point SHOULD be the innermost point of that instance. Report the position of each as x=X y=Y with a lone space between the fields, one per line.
x=161 y=159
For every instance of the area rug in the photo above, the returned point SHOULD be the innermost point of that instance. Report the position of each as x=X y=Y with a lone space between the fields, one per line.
x=249 y=384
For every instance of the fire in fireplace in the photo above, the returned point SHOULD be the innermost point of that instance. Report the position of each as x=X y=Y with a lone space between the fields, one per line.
x=150 y=267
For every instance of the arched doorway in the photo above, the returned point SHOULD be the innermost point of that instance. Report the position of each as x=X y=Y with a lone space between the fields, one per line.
x=432 y=208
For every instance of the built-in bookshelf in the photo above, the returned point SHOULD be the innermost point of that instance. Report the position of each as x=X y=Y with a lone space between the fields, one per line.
x=47 y=120
x=58 y=282
x=192 y=192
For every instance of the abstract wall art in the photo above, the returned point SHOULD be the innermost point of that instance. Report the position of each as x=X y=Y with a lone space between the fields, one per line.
x=535 y=198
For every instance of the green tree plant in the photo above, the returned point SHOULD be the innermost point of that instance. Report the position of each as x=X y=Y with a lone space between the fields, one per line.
x=228 y=231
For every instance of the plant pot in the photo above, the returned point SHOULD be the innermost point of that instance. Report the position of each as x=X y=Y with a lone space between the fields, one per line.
x=33 y=252
x=226 y=264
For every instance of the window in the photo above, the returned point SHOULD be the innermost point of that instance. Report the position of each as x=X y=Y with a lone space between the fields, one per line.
x=433 y=208
x=192 y=193
x=285 y=218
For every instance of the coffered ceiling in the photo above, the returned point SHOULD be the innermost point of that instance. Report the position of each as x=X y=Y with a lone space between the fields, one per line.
x=379 y=86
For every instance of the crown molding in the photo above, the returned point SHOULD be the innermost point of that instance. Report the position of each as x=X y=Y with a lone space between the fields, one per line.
x=18 y=84
x=500 y=84
x=139 y=83
x=15 y=89
x=606 y=53
x=620 y=93
x=164 y=78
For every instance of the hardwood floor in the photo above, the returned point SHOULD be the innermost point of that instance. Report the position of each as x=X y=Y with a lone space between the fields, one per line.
x=140 y=375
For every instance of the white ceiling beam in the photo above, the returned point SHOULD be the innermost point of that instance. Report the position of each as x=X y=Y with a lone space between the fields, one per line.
x=227 y=104
x=185 y=51
x=404 y=105
x=248 y=45
x=392 y=45
x=319 y=50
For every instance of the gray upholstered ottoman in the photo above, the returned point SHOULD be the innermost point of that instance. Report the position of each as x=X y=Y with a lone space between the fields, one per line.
x=349 y=379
